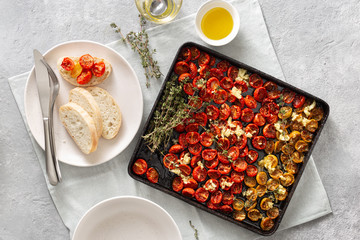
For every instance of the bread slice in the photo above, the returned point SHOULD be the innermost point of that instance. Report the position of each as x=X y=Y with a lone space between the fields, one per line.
x=83 y=98
x=80 y=126
x=67 y=75
x=110 y=112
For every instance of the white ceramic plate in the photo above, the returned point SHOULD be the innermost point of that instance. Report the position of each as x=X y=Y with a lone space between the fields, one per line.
x=124 y=218
x=122 y=84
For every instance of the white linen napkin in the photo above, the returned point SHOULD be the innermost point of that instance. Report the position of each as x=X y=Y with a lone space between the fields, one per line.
x=84 y=187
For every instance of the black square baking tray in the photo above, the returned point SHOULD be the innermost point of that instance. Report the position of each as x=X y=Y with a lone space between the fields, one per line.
x=256 y=202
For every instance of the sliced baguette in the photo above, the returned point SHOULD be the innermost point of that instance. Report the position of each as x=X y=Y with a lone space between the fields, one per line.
x=80 y=126
x=83 y=98
x=110 y=112
x=67 y=75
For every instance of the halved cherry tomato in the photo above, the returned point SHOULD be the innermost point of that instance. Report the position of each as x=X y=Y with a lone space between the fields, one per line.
x=260 y=94
x=181 y=67
x=274 y=94
x=98 y=69
x=200 y=118
x=190 y=183
x=241 y=142
x=180 y=128
x=299 y=101
x=251 y=170
x=259 y=142
x=194 y=161
x=255 y=80
x=185 y=54
x=223 y=157
x=212 y=112
x=237 y=177
x=234 y=152
x=140 y=166
x=269 y=131
x=177 y=148
x=193 y=70
x=223 y=143
x=236 y=188
x=204 y=58
x=152 y=175
x=261 y=178
x=254 y=215
x=201 y=195
x=212 y=206
x=192 y=127
x=252 y=156
x=216 y=197
x=238 y=204
x=177 y=184
x=235 y=112
x=214 y=72
x=270 y=86
x=195 y=53
x=209 y=154
x=247 y=115
x=270 y=146
x=199 y=173
x=220 y=96
x=205 y=95
x=265 y=110
x=288 y=95
x=266 y=224
x=212 y=61
x=195 y=102
x=233 y=72
x=272 y=119
x=224 y=111
x=199 y=82
x=215 y=130
x=84 y=77
x=224 y=168
x=86 y=61
x=285 y=112
x=192 y=137
x=188 y=192
x=252 y=129
x=170 y=160
x=259 y=120
x=184 y=77
x=67 y=64
x=226 y=83
x=188 y=89
x=239 y=165
x=274 y=108
x=206 y=139
x=182 y=140
x=239 y=84
x=214 y=173
x=223 y=65
x=185 y=169
x=250 y=102
x=195 y=149
x=228 y=198
x=212 y=84
x=204 y=71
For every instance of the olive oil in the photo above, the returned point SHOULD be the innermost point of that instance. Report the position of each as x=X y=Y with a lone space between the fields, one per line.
x=217 y=23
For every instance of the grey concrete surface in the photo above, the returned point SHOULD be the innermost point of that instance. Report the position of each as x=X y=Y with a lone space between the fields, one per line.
x=317 y=43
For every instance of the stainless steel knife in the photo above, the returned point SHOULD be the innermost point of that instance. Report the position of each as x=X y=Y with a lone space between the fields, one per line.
x=43 y=86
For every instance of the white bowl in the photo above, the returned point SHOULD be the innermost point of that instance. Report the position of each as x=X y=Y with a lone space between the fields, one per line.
x=213 y=4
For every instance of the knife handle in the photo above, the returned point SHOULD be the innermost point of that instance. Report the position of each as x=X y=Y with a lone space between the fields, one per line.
x=50 y=167
x=53 y=149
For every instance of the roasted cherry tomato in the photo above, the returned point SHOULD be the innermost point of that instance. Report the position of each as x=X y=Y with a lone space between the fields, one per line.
x=195 y=149
x=214 y=72
x=224 y=168
x=212 y=185
x=261 y=178
x=188 y=192
x=177 y=184
x=206 y=139
x=237 y=177
x=266 y=204
x=272 y=212
x=224 y=111
x=259 y=142
x=192 y=137
x=223 y=143
x=252 y=129
x=285 y=112
x=204 y=71
x=239 y=84
x=199 y=82
x=288 y=95
x=223 y=65
x=84 y=77
x=204 y=58
x=177 y=148
x=201 y=195
x=225 y=182
x=185 y=169
x=228 y=198
x=152 y=175
x=259 y=120
x=255 y=81
x=247 y=115
x=239 y=165
x=239 y=215
x=86 y=61
x=182 y=140
x=235 y=112
x=269 y=131
x=254 y=215
x=226 y=83
x=185 y=54
x=233 y=153
x=250 y=102
x=251 y=170
x=216 y=197
x=220 y=96
x=181 y=67
x=139 y=167
x=67 y=64
x=188 y=89
x=200 y=173
x=214 y=173
x=299 y=101
x=190 y=183
x=243 y=152
x=252 y=156
x=266 y=224
x=260 y=94
x=195 y=53
x=184 y=77
x=170 y=160
x=233 y=72
x=98 y=69
x=209 y=154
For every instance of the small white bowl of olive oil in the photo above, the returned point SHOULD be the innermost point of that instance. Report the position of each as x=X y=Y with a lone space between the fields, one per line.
x=217 y=22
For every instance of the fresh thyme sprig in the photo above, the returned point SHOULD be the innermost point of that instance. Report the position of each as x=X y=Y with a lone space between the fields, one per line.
x=139 y=43
x=172 y=111
x=196 y=234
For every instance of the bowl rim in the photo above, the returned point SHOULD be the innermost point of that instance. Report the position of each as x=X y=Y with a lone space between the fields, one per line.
x=204 y=8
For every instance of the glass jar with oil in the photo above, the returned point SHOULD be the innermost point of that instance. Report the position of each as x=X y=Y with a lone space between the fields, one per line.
x=217 y=22
x=159 y=11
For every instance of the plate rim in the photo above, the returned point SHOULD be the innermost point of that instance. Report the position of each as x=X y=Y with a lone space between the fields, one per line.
x=137 y=83
x=119 y=198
